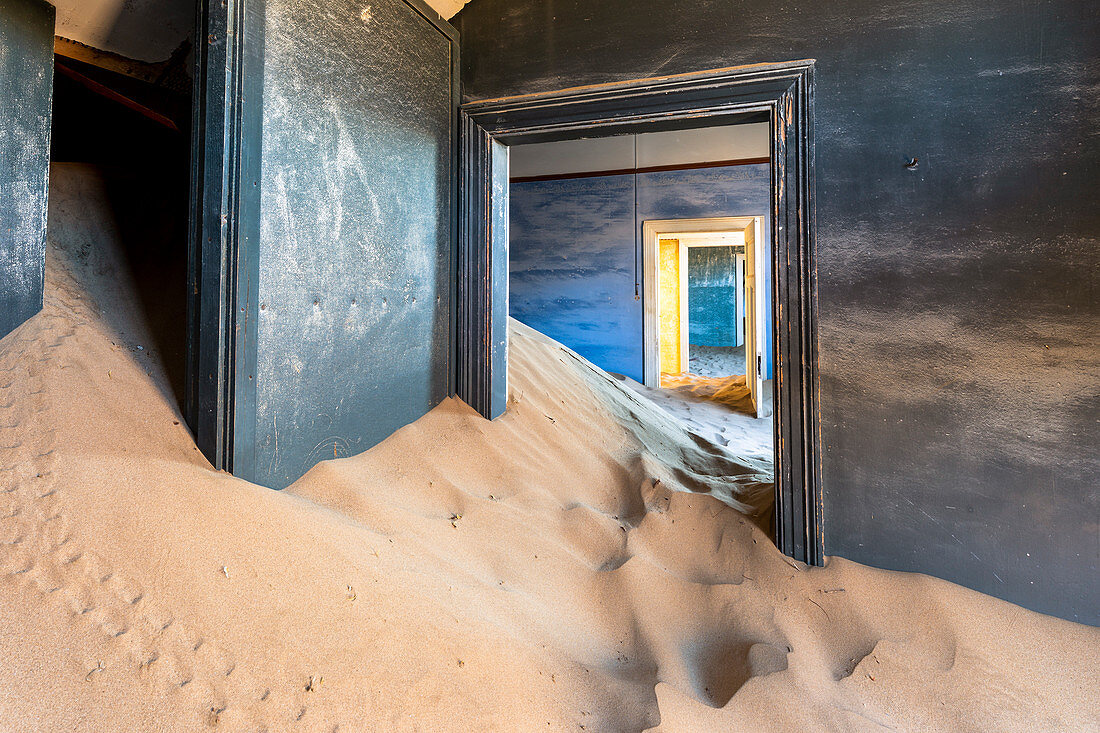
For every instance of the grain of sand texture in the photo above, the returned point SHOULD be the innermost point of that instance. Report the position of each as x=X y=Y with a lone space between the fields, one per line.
x=580 y=564
x=718 y=409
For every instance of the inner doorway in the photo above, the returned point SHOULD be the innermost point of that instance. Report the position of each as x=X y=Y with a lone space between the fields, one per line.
x=577 y=210
x=724 y=261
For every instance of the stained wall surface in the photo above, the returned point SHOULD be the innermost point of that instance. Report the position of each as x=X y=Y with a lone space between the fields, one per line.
x=572 y=267
x=957 y=154
x=26 y=93
x=355 y=313
x=575 y=250
x=145 y=30
x=667 y=149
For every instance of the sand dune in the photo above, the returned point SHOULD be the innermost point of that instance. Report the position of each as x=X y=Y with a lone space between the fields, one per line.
x=581 y=563
x=718 y=409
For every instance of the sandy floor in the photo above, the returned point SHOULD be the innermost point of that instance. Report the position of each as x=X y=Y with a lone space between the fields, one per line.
x=716 y=361
x=718 y=409
x=581 y=563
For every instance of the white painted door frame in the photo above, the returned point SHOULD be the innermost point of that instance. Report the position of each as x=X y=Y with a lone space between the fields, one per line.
x=756 y=301
x=716 y=231
x=740 y=296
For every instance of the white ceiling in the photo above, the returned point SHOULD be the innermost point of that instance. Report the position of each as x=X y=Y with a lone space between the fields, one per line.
x=146 y=30
x=149 y=30
x=704 y=145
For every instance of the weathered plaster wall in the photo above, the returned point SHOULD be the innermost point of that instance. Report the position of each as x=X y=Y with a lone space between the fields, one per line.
x=447 y=8
x=148 y=30
x=572 y=267
x=716 y=144
x=355 y=257
x=575 y=250
x=26 y=92
x=959 y=306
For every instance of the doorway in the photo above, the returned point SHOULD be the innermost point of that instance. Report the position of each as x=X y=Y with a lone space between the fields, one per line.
x=741 y=314
x=119 y=184
x=780 y=94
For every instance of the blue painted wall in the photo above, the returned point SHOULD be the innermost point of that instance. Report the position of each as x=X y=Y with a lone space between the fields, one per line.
x=575 y=251
x=572 y=267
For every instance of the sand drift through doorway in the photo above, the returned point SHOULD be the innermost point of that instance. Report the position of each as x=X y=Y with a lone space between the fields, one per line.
x=780 y=93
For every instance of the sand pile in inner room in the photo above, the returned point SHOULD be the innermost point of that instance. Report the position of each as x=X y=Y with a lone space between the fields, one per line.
x=580 y=564
x=731 y=391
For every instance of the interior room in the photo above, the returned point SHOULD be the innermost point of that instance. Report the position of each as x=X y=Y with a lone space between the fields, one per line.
x=120 y=187
x=631 y=250
x=714 y=320
x=640 y=365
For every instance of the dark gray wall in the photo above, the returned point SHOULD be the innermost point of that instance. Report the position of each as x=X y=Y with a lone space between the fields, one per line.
x=355 y=313
x=958 y=302
x=26 y=93
x=575 y=250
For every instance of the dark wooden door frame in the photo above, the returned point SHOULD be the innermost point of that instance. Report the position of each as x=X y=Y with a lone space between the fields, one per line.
x=223 y=245
x=784 y=93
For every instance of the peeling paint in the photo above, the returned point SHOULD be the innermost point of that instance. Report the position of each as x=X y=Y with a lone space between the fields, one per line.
x=26 y=91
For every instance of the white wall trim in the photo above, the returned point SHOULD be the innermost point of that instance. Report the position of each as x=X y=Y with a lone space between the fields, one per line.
x=650 y=149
